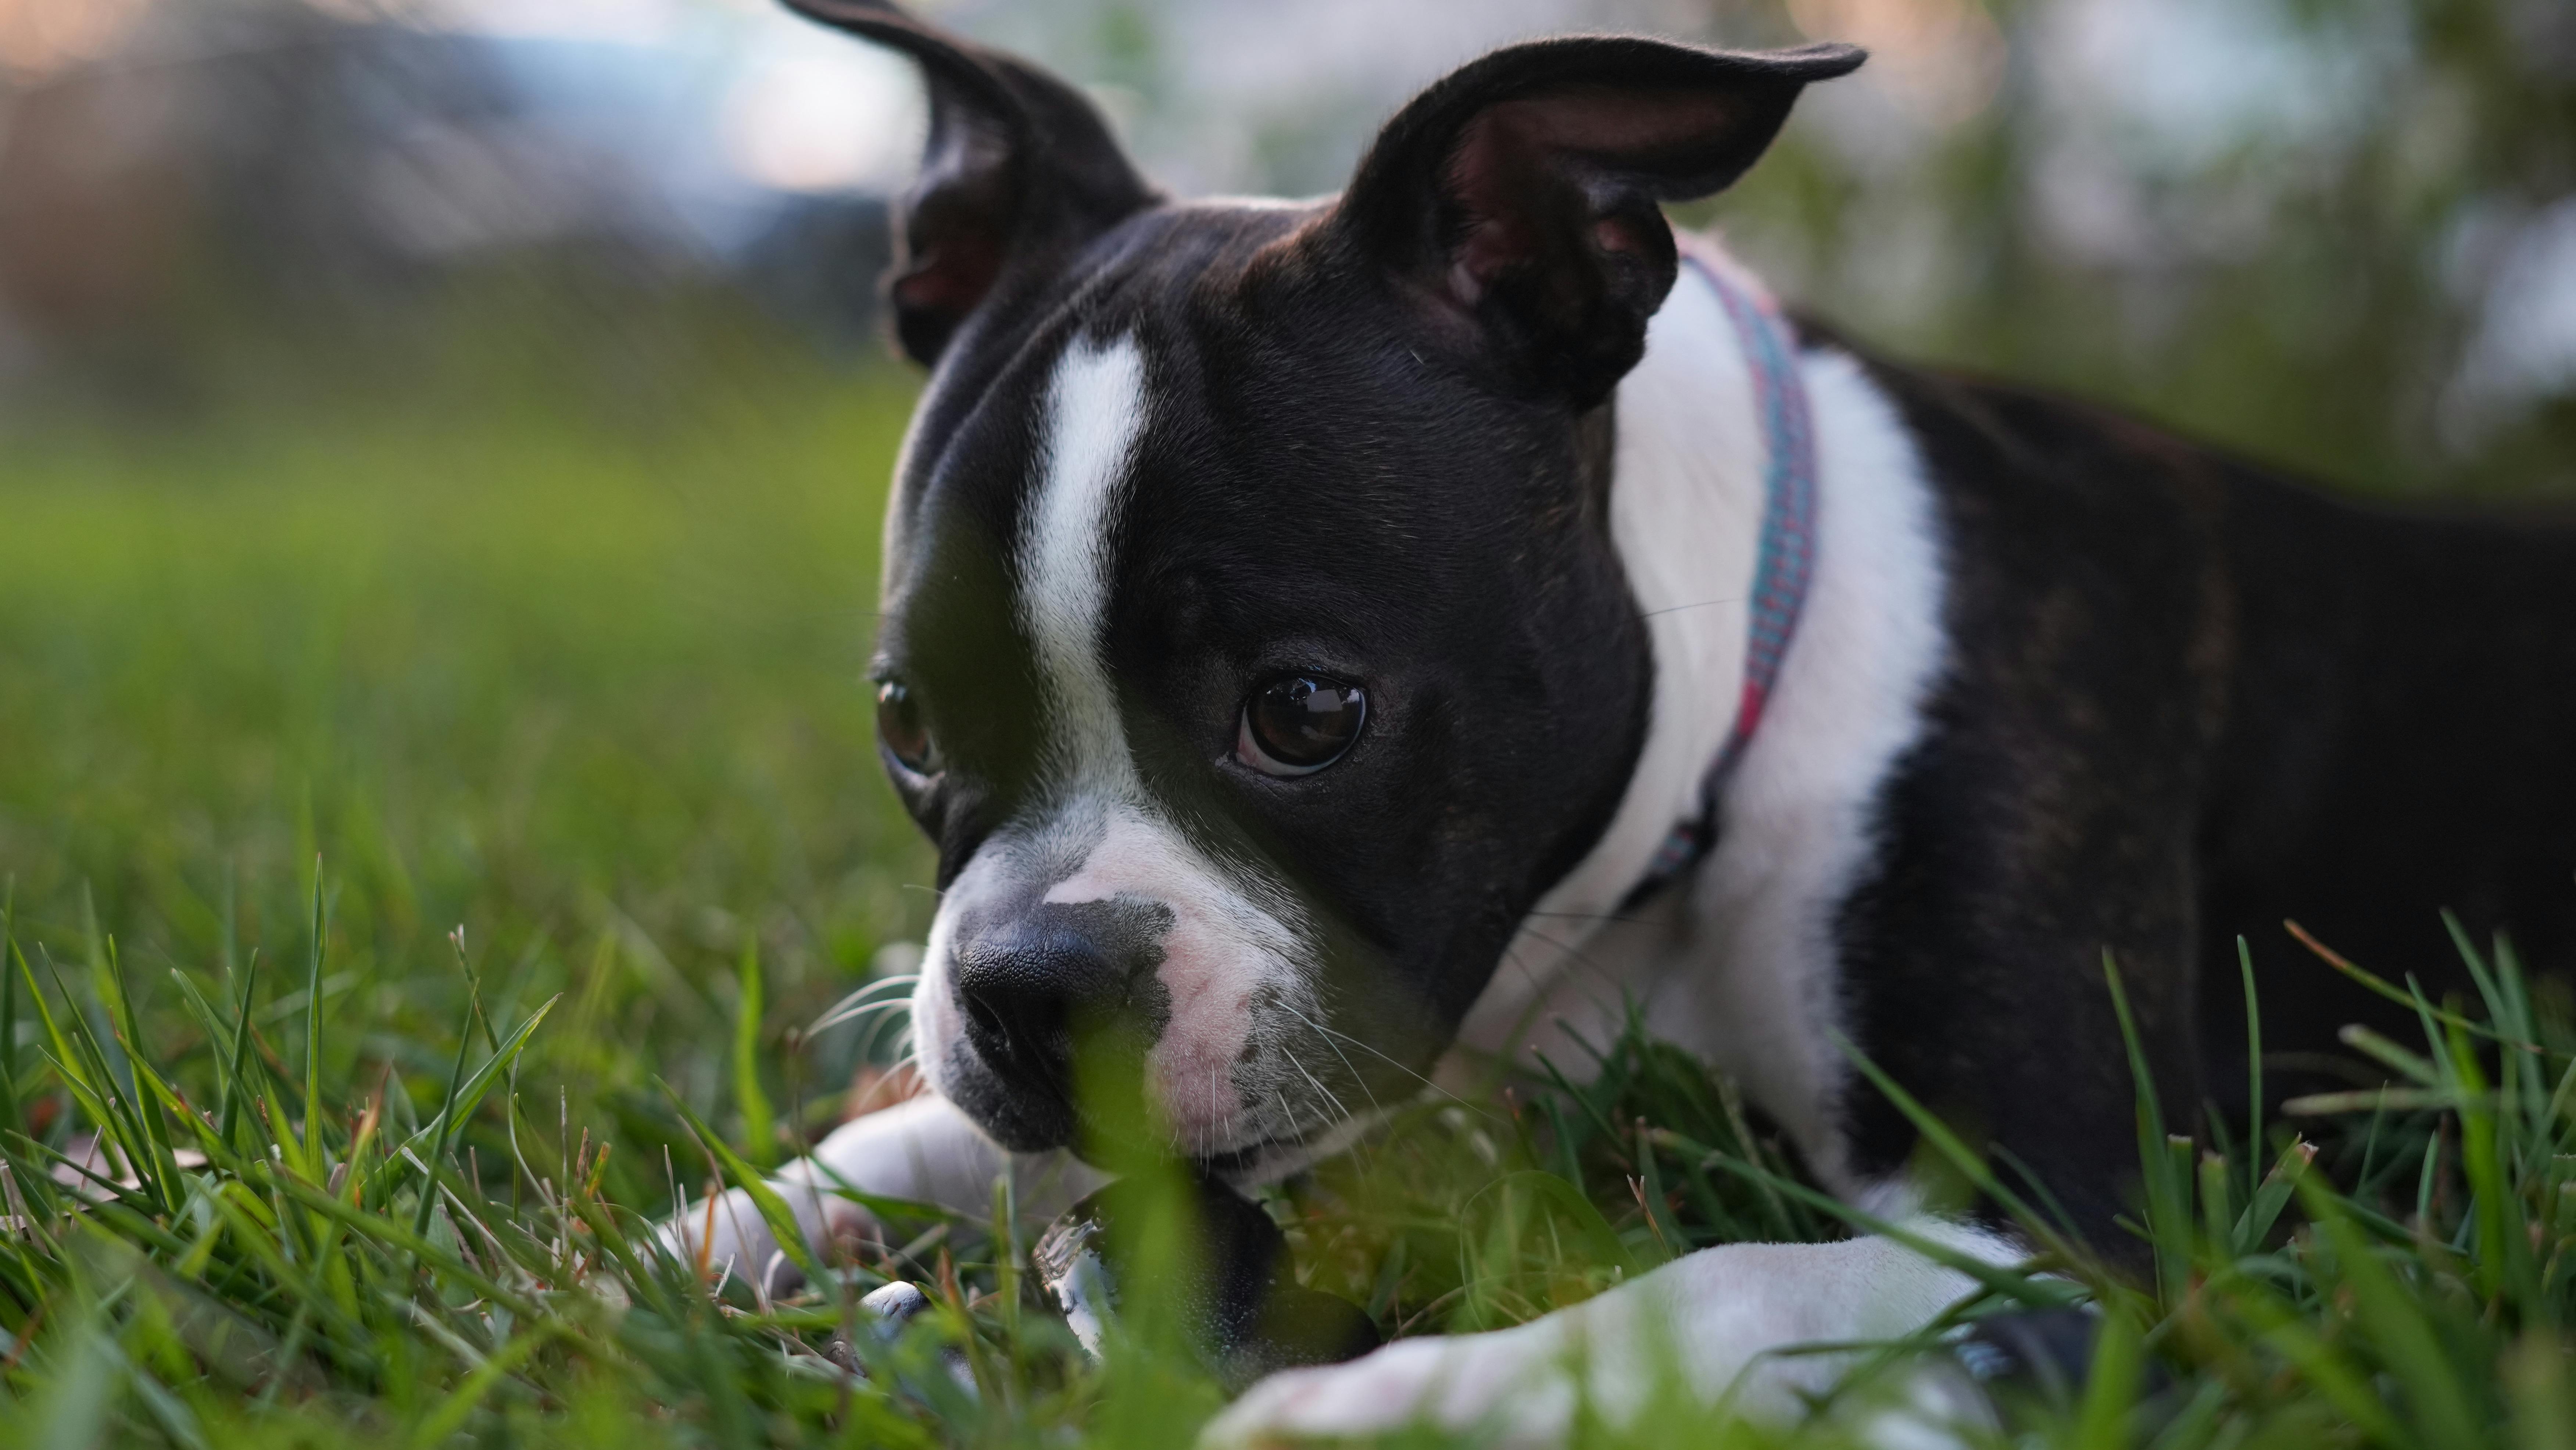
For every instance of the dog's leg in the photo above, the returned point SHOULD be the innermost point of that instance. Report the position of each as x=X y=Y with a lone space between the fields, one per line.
x=924 y=1149
x=1715 y=1316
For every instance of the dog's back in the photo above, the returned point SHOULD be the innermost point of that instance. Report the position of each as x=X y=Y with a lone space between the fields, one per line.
x=2346 y=716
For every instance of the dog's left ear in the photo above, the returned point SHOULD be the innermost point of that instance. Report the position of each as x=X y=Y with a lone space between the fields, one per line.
x=1019 y=172
x=1520 y=199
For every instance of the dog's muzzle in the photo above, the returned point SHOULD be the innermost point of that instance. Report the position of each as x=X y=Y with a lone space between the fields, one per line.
x=1060 y=1004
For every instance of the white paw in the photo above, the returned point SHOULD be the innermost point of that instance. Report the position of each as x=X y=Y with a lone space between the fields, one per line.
x=729 y=1238
x=1511 y=1380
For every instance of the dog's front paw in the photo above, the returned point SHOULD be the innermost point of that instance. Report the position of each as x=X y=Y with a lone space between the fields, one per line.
x=1512 y=1380
x=729 y=1238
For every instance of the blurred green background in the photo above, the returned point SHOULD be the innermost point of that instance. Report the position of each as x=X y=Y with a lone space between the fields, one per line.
x=446 y=439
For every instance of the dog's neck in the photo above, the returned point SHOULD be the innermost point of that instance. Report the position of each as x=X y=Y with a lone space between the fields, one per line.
x=1737 y=962
x=1686 y=504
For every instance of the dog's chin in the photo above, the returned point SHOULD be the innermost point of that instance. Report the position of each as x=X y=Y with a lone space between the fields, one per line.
x=1023 y=1119
x=1130 y=1141
x=1273 y=1159
x=1135 y=1133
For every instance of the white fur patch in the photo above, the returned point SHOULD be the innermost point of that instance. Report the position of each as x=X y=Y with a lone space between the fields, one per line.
x=1716 y=1317
x=1796 y=827
x=1095 y=410
x=1686 y=505
x=1739 y=963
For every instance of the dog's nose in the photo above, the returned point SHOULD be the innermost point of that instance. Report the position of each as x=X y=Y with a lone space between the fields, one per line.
x=1034 y=986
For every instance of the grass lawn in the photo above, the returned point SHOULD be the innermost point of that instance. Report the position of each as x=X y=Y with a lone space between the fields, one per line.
x=577 y=667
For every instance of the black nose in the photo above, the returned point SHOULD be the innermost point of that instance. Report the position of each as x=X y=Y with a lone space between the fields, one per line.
x=1034 y=986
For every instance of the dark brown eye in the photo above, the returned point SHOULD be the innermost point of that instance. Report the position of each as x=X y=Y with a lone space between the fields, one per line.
x=1298 y=724
x=900 y=726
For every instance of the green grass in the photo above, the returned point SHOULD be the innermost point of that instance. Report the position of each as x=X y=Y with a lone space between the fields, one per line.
x=577 y=669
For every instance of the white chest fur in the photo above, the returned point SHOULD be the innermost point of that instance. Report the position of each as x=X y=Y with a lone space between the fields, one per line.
x=1738 y=961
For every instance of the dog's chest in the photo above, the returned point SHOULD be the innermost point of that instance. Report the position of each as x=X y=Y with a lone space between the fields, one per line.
x=1738 y=960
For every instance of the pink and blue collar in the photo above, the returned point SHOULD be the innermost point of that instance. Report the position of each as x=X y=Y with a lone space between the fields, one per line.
x=1782 y=567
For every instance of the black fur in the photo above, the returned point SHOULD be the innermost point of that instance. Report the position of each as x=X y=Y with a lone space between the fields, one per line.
x=2187 y=701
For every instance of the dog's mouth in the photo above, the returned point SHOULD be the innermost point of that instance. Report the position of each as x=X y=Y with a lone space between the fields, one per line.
x=1131 y=1139
x=1277 y=1157
x=1236 y=1163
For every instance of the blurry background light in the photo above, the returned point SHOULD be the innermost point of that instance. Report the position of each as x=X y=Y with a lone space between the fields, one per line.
x=2333 y=234
x=807 y=119
x=39 y=36
x=1943 y=59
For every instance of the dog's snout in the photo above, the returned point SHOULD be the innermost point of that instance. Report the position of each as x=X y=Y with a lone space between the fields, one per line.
x=1022 y=993
x=1034 y=988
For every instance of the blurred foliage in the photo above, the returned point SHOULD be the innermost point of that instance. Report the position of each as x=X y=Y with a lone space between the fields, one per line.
x=2306 y=285
x=563 y=640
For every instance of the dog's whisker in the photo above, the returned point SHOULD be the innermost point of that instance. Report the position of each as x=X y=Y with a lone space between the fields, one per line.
x=832 y=1013
x=863 y=1010
x=1323 y=1093
x=1411 y=1072
x=1575 y=954
x=1347 y=1065
x=1702 y=604
x=880 y=1011
x=1608 y=916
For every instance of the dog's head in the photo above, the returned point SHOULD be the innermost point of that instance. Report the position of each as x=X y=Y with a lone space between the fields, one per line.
x=1254 y=645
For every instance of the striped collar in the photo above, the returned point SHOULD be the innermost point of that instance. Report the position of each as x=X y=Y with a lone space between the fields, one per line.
x=1782 y=568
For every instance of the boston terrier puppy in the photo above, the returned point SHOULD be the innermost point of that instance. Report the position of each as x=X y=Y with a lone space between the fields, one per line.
x=1318 y=633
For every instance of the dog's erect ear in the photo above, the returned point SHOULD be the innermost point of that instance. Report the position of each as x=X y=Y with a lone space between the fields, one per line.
x=1019 y=170
x=1519 y=198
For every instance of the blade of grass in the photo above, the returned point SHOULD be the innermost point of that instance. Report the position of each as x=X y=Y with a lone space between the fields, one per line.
x=2271 y=1196
x=2111 y=1386
x=160 y=1169
x=2390 y=990
x=11 y=1116
x=759 y=1123
x=1952 y=1150
x=2167 y=1174
x=95 y=1088
x=447 y=1107
x=312 y=1143
x=2504 y=1261
x=2253 y=1062
x=449 y=1416
x=471 y=1095
x=2409 y=1344
x=226 y=1092
x=773 y=1209
x=235 y=1105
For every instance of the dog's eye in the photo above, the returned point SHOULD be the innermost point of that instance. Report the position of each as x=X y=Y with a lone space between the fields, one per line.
x=900 y=726
x=1298 y=724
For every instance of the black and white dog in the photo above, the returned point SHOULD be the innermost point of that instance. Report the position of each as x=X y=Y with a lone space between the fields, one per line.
x=1318 y=633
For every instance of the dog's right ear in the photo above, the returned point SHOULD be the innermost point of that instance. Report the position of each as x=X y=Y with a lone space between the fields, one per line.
x=1519 y=201
x=1020 y=170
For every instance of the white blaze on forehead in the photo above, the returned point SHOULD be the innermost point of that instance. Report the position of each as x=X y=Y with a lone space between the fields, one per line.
x=1231 y=956
x=1095 y=408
